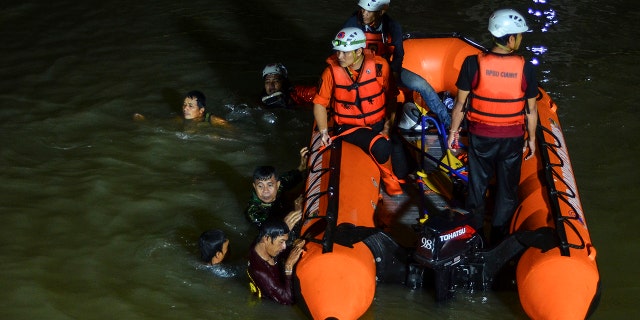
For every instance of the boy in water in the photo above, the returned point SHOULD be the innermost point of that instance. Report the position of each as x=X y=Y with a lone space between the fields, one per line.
x=194 y=111
x=213 y=246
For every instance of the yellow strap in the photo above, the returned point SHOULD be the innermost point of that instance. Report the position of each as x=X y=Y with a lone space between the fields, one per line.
x=422 y=110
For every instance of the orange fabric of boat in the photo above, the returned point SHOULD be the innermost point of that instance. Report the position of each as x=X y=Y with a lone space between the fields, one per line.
x=359 y=187
x=533 y=194
x=550 y=285
x=437 y=60
x=342 y=283
x=339 y=284
x=317 y=180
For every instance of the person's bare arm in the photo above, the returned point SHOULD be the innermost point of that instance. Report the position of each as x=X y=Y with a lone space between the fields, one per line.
x=457 y=115
x=320 y=114
x=532 y=124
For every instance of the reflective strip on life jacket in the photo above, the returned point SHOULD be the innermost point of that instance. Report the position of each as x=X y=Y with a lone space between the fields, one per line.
x=498 y=98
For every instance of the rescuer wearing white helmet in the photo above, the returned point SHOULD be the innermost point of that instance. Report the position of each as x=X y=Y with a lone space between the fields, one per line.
x=374 y=5
x=384 y=38
x=278 y=91
x=507 y=21
x=354 y=86
x=275 y=75
x=501 y=88
x=383 y=34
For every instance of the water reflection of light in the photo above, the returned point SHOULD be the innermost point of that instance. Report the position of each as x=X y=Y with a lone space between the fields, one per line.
x=538 y=50
x=549 y=15
x=544 y=18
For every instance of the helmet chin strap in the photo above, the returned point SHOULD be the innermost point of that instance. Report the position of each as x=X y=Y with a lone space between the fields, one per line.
x=357 y=61
x=503 y=47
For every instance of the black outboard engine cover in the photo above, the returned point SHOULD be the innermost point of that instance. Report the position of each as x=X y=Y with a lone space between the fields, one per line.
x=446 y=240
x=449 y=245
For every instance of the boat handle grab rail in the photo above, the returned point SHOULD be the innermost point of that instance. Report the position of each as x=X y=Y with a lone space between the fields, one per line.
x=555 y=196
x=564 y=195
x=313 y=195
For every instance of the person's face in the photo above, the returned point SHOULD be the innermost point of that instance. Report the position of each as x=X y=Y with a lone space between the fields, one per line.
x=518 y=41
x=277 y=245
x=346 y=58
x=190 y=109
x=267 y=190
x=370 y=17
x=272 y=83
x=221 y=254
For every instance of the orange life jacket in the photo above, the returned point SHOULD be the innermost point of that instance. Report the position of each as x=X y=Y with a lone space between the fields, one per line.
x=498 y=99
x=360 y=102
x=380 y=44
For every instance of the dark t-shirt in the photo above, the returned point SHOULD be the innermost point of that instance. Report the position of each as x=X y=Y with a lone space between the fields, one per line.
x=468 y=79
x=269 y=281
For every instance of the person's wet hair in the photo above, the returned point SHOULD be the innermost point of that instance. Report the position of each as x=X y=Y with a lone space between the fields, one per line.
x=199 y=96
x=263 y=173
x=273 y=229
x=211 y=242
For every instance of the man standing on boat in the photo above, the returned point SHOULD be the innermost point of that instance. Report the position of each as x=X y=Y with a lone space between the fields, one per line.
x=497 y=92
x=384 y=38
x=354 y=86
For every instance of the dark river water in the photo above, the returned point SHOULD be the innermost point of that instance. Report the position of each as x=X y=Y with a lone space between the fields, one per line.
x=100 y=215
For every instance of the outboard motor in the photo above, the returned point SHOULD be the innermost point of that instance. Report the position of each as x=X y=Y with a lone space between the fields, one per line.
x=455 y=252
x=450 y=246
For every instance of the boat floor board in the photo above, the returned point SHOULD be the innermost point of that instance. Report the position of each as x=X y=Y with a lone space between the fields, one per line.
x=397 y=215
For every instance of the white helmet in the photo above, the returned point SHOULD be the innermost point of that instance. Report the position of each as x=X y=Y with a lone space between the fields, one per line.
x=410 y=118
x=506 y=21
x=349 y=39
x=275 y=68
x=374 y=5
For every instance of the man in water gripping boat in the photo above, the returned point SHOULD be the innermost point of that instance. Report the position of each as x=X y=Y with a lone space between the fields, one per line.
x=213 y=246
x=354 y=86
x=384 y=38
x=500 y=88
x=273 y=195
x=278 y=91
x=270 y=267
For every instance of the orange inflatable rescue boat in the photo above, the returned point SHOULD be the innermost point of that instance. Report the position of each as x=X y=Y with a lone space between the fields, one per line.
x=348 y=251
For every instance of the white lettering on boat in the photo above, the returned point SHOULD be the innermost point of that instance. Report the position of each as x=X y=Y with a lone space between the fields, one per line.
x=567 y=174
